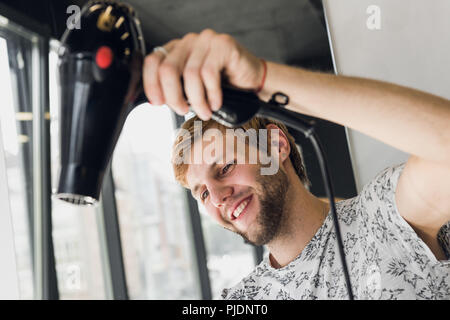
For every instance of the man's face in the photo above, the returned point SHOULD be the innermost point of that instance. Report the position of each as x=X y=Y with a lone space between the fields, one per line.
x=239 y=198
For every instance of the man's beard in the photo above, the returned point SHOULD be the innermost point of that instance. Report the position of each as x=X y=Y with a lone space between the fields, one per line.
x=272 y=216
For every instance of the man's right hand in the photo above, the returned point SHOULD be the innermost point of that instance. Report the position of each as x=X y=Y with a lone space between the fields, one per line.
x=200 y=60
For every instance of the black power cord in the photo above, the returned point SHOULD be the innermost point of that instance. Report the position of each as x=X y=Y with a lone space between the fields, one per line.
x=275 y=110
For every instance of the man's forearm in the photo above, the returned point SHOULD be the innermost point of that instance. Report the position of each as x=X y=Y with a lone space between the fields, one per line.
x=412 y=121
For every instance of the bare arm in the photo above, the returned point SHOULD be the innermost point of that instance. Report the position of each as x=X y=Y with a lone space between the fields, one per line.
x=412 y=121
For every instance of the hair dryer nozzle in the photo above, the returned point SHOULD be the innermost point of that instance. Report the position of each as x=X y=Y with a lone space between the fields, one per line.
x=76 y=199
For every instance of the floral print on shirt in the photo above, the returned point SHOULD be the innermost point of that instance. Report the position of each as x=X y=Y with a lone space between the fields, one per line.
x=386 y=258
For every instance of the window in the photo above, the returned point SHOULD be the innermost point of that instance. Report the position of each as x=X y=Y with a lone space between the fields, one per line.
x=152 y=210
x=160 y=258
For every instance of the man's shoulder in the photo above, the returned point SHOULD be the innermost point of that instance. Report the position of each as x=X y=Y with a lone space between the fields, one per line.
x=373 y=212
x=380 y=188
x=385 y=181
x=378 y=193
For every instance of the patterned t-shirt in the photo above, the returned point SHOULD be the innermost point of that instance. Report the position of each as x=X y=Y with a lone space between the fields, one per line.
x=385 y=257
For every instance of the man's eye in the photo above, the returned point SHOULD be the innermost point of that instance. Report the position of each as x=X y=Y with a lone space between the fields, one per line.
x=227 y=167
x=204 y=195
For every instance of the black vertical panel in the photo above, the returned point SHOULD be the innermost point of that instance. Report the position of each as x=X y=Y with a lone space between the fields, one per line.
x=113 y=243
x=318 y=9
x=334 y=141
x=50 y=285
x=258 y=253
x=200 y=248
x=332 y=136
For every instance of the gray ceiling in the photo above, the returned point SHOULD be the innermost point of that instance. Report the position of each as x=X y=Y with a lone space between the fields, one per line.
x=289 y=31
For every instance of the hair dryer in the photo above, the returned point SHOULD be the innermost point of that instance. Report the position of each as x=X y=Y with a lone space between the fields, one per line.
x=100 y=70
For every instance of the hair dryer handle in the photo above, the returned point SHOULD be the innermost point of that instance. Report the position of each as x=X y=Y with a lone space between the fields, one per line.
x=238 y=106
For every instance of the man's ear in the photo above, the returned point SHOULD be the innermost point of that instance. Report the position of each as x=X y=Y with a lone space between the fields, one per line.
x=284 y=148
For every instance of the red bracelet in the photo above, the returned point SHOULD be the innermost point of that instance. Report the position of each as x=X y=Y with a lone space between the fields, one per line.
x=261 y=86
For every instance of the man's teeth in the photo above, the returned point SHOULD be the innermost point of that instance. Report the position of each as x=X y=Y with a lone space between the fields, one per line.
x=239 y=209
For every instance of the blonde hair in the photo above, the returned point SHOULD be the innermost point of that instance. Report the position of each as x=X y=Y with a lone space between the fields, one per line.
x=180 y=169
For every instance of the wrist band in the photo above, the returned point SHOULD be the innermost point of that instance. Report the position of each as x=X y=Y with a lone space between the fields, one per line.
x=261 y=86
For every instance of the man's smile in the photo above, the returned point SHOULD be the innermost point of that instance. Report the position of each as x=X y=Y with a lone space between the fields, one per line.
x=240 y=208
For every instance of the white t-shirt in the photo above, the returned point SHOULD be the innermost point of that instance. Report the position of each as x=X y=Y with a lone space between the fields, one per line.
x=385 y=257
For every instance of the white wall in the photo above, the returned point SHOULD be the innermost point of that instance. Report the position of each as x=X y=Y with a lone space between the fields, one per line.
x=411 y=48
x=9 y=285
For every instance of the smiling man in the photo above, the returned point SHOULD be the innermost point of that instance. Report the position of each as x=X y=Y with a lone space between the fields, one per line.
x=253 y=203
x=396 y=232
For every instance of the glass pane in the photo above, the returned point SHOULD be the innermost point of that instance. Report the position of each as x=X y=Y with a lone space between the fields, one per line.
x=76 y=237
x=229 y=258
x=152 y=210
x=16 y=125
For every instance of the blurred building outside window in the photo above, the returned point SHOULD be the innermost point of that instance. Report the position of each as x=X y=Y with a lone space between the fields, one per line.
x=154 y=223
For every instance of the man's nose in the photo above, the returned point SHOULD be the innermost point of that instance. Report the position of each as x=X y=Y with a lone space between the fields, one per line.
x=219 y=194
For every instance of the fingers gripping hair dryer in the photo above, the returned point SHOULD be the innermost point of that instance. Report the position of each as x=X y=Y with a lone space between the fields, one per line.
x=100 y=70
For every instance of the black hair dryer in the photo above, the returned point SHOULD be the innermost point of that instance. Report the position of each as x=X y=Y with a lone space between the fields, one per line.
x=100 y=70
